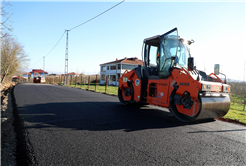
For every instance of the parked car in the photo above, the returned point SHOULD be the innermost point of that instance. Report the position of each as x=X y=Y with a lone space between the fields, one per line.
x=37 y=79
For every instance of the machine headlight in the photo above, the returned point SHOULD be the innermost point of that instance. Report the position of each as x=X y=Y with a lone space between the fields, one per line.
x=206 y=87
x=226 y=88
x=124 y=79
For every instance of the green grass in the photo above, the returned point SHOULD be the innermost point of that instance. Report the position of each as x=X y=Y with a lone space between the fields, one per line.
x=236 y=112
x=112 y=90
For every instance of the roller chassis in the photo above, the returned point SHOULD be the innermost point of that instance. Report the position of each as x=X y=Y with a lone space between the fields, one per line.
x=185 y=102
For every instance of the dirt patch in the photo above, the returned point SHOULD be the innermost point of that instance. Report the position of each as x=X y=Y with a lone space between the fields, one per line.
x=7 y=133
x=6 y=85
x=8 y=136
x=5 y=89
x=231 y=121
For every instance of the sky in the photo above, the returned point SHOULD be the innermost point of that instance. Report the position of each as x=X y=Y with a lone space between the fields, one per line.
x=218 y=29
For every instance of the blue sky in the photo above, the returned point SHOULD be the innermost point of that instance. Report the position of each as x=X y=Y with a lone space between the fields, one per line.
x=218 y=29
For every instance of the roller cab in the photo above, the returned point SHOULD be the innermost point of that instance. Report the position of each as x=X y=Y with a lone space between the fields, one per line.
x=169 y=79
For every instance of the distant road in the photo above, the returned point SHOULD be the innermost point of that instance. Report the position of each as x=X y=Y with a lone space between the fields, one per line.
x=67 y=126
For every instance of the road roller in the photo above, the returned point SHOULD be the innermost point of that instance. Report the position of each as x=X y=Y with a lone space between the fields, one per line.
x=168 y=78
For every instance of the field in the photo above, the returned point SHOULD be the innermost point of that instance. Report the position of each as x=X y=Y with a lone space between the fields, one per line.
x=236 y=111
x=112 y=90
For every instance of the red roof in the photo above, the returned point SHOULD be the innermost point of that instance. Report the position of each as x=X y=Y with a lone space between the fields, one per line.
x=133 y=60
x=38 y=71
x=16 y=77
x=72 y=73
x=27 y=73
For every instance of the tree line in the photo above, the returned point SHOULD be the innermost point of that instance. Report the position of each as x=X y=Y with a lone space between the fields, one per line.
x=13 y=57
x=238 y=91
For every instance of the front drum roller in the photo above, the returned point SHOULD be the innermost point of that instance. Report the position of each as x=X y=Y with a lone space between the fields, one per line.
x=126 y=95
x=206 y=107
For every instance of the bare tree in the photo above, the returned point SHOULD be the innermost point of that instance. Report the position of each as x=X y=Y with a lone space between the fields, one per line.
x=5 y=26
x=239 y=91
x=13 y=57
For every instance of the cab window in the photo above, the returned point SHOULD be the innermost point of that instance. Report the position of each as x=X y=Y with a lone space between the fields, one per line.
x=152 y=60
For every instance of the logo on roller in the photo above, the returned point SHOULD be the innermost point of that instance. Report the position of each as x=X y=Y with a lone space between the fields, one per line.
x=184 y=83
x=137 y=82
x=160 y=94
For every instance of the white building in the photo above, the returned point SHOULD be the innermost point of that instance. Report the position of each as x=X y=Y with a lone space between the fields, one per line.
x=113 y=70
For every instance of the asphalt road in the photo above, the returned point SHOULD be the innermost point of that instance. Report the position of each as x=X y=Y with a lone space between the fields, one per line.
x=68 y=126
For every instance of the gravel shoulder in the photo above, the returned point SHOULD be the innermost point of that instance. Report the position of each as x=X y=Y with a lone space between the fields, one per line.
x=8 y=135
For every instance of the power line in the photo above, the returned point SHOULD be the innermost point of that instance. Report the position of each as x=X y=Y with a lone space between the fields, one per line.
x=97 y=15
x=36 y=62
x=56 y=43
x=66 y=54
x=51 y=49
x=77 y=27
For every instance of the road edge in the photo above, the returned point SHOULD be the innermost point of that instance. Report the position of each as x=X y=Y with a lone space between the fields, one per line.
x=24 y=150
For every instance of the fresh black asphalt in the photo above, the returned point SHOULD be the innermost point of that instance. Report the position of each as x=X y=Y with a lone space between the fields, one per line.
x=68 y=126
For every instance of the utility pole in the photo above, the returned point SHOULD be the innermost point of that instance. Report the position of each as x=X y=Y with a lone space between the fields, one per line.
x=244 y=72
x=66 y=61
x=204 y=64
x=43 y=64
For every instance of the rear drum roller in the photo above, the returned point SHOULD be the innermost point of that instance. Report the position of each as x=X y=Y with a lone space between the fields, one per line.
x=126 y=94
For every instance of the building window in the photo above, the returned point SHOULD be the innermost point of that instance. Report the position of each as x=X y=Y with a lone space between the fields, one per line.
x=103 y=77
x=107 y=67
x=119 y=66
x=118 y=76
x=128 y=67
x=112 y=77
x=103 y=68
x=112 y=67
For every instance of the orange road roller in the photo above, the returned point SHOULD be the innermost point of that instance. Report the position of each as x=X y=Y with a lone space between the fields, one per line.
x=169 y=79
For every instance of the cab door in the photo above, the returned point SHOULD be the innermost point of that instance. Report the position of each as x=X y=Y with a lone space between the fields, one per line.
x=168 y=52
x=158 y=86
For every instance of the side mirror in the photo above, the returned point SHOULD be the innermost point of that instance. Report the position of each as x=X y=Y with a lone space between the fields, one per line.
x=190 y=64
x=216 y=69
x=191 y=41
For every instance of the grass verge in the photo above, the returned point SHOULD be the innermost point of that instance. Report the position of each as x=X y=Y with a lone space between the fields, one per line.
x=112 y=90
x=236 y=112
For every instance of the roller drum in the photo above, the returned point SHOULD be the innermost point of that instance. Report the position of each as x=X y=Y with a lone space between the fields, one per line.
x=214 y=106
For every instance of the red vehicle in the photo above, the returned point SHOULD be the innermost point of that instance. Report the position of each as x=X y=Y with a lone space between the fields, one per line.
x=169 y=79
x=37 y=79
